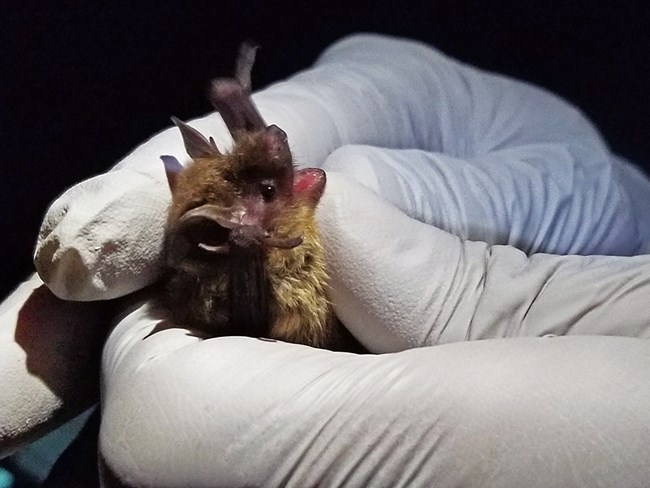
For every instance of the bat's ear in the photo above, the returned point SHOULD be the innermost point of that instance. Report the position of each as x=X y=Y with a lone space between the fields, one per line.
x=196 y=145
x=309 y=183
x=277 y=144
x=172 y=168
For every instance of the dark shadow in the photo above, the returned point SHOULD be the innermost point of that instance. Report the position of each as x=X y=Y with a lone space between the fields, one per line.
x=77 y=466
x=63 y=342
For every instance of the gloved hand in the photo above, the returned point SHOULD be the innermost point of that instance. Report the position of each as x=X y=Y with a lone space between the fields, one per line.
x=235 y=411
x=398 y=283
x=492 y=158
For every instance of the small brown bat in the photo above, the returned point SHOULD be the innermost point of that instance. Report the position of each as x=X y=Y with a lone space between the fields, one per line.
x=242 y=245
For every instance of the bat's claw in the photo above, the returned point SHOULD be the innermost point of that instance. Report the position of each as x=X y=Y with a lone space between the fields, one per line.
x=283 y=242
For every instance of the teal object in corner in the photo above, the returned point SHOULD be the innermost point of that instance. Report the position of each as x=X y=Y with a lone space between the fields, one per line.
x=6 y=479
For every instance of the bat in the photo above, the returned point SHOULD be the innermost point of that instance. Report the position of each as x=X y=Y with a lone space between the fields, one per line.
x=241 y=244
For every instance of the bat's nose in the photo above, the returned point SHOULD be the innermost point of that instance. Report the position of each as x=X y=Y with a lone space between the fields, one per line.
x=252 y=215
x=246 y=236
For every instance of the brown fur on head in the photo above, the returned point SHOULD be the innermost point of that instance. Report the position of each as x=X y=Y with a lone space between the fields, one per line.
x=229 y=179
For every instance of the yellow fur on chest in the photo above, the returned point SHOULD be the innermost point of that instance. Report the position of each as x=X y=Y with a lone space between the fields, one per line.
x=300 y=311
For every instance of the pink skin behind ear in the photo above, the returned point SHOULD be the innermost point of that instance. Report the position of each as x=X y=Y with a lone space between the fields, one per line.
x=309 y=182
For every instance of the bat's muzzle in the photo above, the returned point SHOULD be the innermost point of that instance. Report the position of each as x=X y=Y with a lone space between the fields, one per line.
x=218 y=230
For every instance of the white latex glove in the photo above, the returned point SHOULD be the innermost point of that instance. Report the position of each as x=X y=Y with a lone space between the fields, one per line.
x=482 y=156
x=234 y=411
x=398 y=283
x=569 y=412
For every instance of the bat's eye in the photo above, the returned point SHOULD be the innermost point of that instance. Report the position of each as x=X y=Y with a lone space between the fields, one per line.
x=267 y=191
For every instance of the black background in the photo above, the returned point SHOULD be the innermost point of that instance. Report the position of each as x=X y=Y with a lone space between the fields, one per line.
x=82 y=84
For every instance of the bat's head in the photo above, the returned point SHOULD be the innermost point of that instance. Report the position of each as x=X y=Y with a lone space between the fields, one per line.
x=232 y=203
x=235 y=202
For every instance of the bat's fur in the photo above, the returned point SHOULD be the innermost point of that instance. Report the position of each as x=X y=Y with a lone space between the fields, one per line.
x=299 y=309
x=286 y=286
x=251 y=263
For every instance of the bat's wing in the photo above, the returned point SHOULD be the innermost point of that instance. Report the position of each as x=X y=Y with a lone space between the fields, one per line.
x=231 y=97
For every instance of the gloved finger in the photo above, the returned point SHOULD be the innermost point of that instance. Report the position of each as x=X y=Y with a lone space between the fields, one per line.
x=395 y=93
x=49 y=362
x=103 y=238
x=537 y=197
x=234 y=411
x=397 y=283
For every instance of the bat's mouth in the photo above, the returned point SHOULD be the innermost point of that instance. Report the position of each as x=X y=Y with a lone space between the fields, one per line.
x=206 y=235
x=215 y=230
